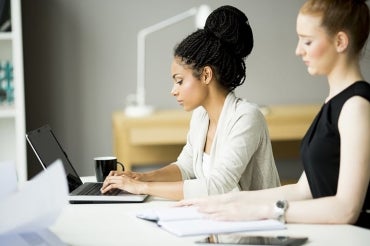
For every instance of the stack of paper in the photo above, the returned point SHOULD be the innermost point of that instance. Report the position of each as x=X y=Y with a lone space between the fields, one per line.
x=26 y=213
x=187 y=221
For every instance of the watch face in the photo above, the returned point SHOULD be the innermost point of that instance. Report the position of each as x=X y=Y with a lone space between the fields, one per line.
x=280 y=204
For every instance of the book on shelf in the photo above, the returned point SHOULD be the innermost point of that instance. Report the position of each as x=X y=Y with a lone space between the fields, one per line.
x=6 y=83
x=187 y=221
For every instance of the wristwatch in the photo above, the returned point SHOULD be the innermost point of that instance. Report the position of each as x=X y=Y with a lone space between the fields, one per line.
x=279 y=210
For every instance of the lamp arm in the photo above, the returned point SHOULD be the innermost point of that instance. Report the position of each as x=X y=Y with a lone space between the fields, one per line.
x=140 y=90
x=167 y=22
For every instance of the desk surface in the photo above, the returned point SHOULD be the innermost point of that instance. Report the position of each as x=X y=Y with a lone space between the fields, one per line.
x=116 y=224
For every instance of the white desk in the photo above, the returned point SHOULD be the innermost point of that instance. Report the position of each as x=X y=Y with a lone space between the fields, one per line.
x=116 y=224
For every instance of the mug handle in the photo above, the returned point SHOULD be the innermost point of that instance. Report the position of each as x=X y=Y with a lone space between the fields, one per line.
x=122 y=166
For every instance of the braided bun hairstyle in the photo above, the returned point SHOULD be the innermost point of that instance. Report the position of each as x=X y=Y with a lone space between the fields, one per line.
x=223 y=44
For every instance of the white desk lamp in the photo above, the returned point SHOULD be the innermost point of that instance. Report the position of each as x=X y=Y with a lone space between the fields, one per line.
x=137 y=106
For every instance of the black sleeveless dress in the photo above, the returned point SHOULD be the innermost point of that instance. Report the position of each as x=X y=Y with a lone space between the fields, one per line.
x=320 y=148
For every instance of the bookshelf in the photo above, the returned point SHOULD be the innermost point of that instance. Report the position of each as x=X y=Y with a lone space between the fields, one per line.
x=12 y=113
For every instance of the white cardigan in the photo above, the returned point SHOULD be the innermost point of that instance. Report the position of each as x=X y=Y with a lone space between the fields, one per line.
x=241 y=155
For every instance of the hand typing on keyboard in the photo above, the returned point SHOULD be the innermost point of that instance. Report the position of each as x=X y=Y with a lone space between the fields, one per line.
x=126 y=181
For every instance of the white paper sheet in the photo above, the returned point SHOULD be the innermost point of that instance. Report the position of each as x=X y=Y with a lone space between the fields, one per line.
x=8 y=179
x=170 y=213
x=41 y=238
x=37 y=204
x=196 y=227
x=187 y=221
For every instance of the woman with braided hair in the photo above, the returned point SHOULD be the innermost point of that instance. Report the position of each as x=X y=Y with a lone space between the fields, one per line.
x=228 y=146
x=335 y=185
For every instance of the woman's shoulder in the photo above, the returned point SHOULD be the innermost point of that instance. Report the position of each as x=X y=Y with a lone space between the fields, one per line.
x=355 y=93
x=243 y=106
x=357 y=104
x=240 y=104
x=362 y=88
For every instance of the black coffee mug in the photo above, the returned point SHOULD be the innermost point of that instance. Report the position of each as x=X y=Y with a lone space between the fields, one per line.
x=103 y=166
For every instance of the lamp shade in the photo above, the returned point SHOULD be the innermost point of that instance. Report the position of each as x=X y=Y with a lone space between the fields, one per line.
x=202 y=13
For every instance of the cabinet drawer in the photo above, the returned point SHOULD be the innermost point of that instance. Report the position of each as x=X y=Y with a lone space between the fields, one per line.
x=158 y=135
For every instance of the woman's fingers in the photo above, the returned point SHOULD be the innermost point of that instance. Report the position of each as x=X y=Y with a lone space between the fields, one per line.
x=112 y=182
x=187 y=202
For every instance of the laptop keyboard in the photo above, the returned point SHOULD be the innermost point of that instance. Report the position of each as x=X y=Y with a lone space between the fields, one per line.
x=93 y=189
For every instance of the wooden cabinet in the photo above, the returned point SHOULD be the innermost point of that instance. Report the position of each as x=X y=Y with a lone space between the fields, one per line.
x=154 y=139
x=159 y=137
x=12 y=114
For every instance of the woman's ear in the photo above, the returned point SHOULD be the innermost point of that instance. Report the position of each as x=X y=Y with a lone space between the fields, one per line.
x=207 y=75
x=342 y=41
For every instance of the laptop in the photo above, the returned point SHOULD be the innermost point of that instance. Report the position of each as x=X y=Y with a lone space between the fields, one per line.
x=47 y=149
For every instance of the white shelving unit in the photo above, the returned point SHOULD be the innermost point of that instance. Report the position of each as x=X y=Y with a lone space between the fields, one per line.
x=12 y=117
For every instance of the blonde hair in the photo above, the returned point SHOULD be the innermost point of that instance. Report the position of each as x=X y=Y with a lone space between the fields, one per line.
x=349 y=16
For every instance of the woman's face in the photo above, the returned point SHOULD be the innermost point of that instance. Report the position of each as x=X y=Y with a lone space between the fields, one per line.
x=315 y=47
x=189 y=91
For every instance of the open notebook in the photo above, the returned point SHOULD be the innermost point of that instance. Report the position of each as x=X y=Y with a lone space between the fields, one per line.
x=48 y=149
x=187 y=221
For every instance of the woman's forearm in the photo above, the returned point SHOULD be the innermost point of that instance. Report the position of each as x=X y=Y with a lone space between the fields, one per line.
x=169 y=173
x=290 y=192
x=168 y=190
x=327 y=210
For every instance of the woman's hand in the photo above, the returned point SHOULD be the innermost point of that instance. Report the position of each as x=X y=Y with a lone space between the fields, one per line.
x=134 y=175
x=208 y=201
x=127 y=181
x=229 y=206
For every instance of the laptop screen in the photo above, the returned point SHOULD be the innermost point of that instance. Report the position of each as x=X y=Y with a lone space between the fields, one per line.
x=48 y=149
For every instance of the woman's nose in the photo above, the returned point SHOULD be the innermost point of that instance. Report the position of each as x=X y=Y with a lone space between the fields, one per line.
x=174 y=90
x=298 y=50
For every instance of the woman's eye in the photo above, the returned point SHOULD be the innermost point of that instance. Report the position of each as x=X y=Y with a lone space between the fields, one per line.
x=179 y=82
x=307 y=43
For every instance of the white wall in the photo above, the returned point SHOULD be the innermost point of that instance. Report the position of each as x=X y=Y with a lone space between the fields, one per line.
x=80 y=64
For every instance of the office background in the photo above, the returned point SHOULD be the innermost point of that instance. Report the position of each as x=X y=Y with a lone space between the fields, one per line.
x=80 y=64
